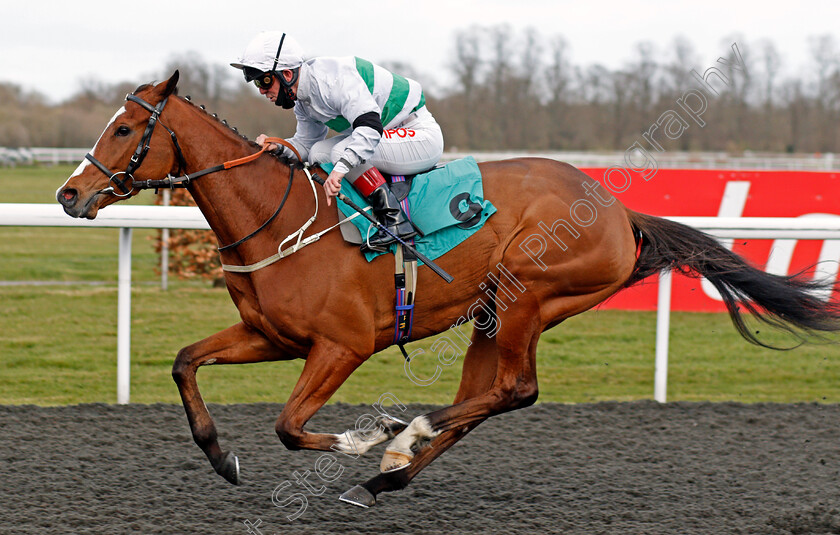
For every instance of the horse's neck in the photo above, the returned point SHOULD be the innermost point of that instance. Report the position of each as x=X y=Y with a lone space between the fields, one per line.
x=237 y=201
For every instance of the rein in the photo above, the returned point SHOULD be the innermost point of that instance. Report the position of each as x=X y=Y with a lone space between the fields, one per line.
x=184 y=180
x=301 y=242
x=270 y=219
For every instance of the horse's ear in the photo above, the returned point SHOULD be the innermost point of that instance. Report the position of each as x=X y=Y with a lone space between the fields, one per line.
x=171 y=84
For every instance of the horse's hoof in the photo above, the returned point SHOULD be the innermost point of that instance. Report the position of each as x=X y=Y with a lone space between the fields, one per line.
x=391 y=426
x=229 y=468
x=394 y=460
x=359 y=496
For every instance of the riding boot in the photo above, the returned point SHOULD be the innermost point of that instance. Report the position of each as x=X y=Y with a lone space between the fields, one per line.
x=387 y=210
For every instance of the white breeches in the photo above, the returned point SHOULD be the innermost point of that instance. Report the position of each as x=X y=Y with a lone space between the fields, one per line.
x=414 y=146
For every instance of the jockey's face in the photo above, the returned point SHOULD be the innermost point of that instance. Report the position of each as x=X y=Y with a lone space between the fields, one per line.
x=272 y=92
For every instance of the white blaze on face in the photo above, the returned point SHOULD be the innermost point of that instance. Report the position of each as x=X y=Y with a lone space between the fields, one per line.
x=79 y=170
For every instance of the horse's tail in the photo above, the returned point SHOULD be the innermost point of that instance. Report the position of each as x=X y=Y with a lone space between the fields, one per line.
x=786 y=302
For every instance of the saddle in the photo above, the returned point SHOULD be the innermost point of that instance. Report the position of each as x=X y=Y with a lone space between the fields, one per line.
x=446 y=203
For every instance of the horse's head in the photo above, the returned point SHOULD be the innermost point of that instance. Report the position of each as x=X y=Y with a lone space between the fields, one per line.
x=124 y=151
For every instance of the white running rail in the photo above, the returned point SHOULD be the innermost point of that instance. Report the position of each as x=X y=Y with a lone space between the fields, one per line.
x=127 y=218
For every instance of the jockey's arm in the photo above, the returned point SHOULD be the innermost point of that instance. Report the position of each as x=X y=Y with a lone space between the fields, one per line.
x=358 y=106
x=366 y=135
x=307 y=133
x=367 y=132
x=355 y=103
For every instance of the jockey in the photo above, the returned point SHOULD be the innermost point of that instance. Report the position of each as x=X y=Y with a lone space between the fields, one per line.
x=381 y=119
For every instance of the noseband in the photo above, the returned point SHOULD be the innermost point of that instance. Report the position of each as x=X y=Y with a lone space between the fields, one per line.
x=139 y=153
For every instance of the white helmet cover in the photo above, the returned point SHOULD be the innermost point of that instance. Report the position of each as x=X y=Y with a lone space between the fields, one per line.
x=271 y=51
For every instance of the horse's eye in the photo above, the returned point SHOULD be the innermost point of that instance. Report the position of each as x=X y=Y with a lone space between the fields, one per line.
x=123 y=131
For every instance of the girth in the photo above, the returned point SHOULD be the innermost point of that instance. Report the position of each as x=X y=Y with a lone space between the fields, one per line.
x=405 y=282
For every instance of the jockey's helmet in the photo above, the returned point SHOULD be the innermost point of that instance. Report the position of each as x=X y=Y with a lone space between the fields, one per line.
x=270 y=52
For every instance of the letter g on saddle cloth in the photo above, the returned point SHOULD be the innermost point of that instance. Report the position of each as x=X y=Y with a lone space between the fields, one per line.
x=446 y=203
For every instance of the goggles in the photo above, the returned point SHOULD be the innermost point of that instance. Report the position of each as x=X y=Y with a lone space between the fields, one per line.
x=263 y=80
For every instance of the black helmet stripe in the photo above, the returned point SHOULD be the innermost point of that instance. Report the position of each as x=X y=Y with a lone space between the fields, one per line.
x=277 y=56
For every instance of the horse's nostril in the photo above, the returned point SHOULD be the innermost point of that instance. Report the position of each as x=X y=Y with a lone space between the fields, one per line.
x=67 y=197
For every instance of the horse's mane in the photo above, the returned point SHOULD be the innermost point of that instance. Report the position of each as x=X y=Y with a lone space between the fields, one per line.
x=283 y=159
x=144 y=87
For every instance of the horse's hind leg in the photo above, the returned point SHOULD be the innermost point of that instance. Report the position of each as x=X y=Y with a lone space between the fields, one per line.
x=477 y=377
x=477 y=374
x=514 y=384
x=238 y=344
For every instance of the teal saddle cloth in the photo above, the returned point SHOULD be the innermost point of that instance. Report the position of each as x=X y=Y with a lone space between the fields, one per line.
x=447 y=204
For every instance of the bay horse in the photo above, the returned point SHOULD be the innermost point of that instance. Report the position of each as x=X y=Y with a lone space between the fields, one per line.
x=329 y=306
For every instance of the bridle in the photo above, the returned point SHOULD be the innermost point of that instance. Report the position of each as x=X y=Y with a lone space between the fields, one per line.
x=140 y=152
x=184 y=180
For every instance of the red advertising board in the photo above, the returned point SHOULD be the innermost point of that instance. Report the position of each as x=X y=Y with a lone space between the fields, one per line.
x=711 y=193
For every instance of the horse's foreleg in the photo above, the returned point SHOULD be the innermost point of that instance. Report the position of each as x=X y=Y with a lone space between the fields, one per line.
x=513 y=386
x=327 y=366
x=235 y=345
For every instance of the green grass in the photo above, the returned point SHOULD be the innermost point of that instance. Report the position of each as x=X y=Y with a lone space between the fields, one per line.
x=59 y=347
x=64 y=253
x=58 y=343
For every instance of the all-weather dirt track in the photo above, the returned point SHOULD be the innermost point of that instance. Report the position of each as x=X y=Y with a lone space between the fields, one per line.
x=617 y=468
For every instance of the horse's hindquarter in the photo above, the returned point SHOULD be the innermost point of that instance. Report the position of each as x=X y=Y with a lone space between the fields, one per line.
x=571 y=246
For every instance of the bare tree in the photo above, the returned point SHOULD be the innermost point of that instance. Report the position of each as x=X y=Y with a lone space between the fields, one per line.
x=516 y=89
x=825 y=56
x=771 y=65
x=677 y=78
x=558 y=78
x=467 y=66
x=795 y=101
x=644 y=72
x=595 y=87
